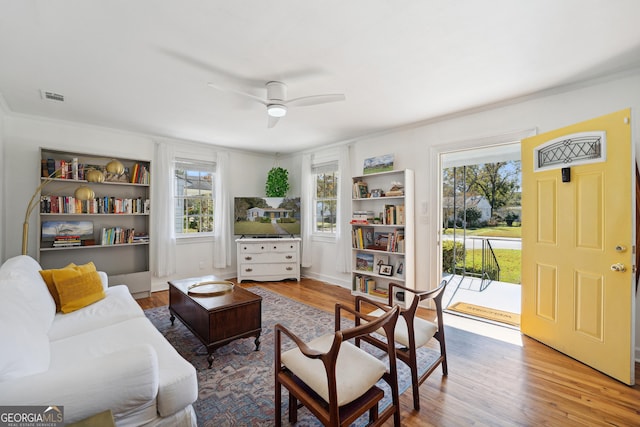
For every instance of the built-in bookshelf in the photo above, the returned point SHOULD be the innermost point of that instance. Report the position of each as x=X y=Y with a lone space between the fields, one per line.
x=110 y=228
x=383 y=233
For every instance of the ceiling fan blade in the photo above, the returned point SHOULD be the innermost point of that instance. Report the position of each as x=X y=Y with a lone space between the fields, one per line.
x=237 y=92
x=305 y=101
x=272 y=121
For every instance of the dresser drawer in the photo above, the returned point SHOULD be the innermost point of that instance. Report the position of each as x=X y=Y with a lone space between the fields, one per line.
x=268 y=257
x=249 y=270
x=256 y=248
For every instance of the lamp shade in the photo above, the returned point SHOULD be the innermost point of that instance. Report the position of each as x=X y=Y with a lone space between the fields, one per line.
x=115 y=167
x=94 y=175
x=84 y=193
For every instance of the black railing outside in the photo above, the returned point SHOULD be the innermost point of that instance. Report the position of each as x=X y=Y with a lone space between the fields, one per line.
x=489 y=266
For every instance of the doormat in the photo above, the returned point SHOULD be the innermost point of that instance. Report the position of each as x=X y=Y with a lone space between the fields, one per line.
x=486 y=313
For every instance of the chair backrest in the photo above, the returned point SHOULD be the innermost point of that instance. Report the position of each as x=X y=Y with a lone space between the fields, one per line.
x=420 y=296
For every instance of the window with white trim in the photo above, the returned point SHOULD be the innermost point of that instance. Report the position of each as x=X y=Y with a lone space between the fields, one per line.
x=194 y=197
x=325 y=198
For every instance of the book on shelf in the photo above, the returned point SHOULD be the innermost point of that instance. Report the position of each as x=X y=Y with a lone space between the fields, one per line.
x=364 y=283
x=116 y=236
x=362 y=237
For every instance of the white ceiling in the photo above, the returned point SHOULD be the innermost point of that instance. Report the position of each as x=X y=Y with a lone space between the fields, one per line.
x=144 y=65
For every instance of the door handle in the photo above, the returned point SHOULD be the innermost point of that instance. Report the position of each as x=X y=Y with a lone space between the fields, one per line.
x=618 y=267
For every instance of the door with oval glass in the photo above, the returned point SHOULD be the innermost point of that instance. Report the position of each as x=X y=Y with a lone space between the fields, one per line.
x=578 y=234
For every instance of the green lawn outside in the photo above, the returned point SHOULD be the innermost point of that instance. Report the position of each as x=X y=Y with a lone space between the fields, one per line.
x=498 y=231
x=508 y=260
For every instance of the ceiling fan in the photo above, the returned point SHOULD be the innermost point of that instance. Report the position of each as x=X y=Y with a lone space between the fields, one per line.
x=277 y=103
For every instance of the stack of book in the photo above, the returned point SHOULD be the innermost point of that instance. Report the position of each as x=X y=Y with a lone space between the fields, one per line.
x=379 y=292
x=66 y=241
x=140 y=237
x=362 y=217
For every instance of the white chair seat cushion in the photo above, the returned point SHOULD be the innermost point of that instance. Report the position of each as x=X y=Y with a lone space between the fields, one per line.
x=356 y=370
x=424 y=330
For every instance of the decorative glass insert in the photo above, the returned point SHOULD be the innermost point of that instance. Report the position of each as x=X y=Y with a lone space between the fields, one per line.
x=571 y=150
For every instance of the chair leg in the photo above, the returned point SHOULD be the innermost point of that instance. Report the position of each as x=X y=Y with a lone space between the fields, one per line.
x=293 y=408
x=278 y=404
x=373 y=414
x=415 y=381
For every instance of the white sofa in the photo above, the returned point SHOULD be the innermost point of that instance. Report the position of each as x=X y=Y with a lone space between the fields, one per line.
x=106 y=355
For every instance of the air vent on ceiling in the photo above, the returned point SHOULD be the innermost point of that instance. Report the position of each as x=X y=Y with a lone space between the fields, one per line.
x=51 y=96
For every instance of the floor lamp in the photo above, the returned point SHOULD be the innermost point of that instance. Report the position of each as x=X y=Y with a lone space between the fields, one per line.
x=82 y=193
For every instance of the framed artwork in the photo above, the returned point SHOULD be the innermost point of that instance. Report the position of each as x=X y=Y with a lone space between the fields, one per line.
x=400 y=268
x=378 y=164
x=386 y=270
x=51 y=229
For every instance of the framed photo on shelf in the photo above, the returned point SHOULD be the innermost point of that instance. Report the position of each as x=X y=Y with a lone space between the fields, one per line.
x=378 y=260
x=399 y=268
x=386 y=270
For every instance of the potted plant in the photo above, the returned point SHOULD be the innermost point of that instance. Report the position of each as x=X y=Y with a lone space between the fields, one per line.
x=277 y=182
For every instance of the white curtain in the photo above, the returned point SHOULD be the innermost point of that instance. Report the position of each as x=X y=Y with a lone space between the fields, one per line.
x=343 y=229
x=163 y=237
x=306 y=210
x=221 y=245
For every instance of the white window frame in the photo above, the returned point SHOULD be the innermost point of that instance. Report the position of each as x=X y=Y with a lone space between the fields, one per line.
x=316 y=169
x=196 y=166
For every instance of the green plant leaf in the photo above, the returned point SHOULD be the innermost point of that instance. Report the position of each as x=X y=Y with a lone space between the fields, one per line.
x=277 y=182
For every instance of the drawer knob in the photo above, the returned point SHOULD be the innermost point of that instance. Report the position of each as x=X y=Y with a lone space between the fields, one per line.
x=248 y=269
x=248 y=258
x=261 y=247
x=289 y=256
x=289 y=268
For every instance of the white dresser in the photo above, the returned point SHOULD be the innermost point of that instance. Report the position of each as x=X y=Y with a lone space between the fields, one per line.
x=267 y=259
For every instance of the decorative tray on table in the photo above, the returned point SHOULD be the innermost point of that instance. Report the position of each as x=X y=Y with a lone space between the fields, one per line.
x=210 y=288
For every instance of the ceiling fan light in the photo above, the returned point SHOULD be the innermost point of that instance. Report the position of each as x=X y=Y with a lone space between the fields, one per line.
x=276 y=110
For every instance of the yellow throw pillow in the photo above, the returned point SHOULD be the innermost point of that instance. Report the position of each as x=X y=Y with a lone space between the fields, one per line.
x=78 y=286
x=47 y=276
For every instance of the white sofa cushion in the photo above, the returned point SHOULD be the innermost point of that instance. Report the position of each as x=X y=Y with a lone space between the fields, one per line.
x=42 y=307
x=356 y=370
x=178 y=384
x=25 y=345
x=117 y=306
x=126 y=380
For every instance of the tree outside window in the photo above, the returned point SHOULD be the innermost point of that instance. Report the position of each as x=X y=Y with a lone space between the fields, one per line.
x=194 y=198
x=326 y=200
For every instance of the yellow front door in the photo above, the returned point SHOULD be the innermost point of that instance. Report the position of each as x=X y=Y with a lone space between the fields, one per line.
x=578 y=234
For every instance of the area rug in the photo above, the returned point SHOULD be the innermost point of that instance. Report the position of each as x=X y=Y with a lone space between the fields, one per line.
x=239 y=388
x=492 y=314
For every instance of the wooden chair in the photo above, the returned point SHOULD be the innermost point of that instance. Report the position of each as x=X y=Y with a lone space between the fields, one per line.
x=411 y=332
x=335 y=379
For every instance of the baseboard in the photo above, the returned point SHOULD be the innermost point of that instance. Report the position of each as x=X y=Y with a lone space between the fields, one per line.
x=332 y=280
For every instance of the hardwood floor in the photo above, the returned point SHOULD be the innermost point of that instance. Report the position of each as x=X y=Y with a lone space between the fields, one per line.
x=491 y=381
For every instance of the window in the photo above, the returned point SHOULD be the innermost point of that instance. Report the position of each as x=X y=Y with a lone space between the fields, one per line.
x=194 y=196
x=325 y=198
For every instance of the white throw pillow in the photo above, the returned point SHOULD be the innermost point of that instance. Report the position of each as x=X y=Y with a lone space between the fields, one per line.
x=25 y=344
x=24 y=272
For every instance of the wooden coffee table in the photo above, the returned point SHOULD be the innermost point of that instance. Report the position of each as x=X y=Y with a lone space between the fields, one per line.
x=216 y=320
